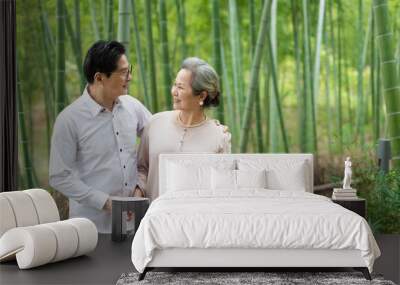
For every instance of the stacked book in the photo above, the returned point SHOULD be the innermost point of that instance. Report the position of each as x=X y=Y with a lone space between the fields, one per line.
x=344 y=194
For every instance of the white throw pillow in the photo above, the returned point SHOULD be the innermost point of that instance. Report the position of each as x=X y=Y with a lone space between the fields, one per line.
x=223 y=179
x=236 y=179
x=293 y=180
x=282 y=174
x=251 y=178
x=182 y=178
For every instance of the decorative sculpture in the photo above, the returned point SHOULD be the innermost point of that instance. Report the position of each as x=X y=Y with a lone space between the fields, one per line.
x=347 y=174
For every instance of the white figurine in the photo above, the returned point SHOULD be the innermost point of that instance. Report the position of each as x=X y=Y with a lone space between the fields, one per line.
x=347 y=174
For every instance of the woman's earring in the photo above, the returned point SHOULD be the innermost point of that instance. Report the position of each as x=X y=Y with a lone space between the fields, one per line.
x=201 y=103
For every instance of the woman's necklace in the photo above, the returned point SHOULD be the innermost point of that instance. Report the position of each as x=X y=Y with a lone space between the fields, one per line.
x=185 y=129
x=191 y=125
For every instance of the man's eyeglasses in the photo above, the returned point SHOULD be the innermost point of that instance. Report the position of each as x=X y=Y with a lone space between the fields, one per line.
x=126 y=71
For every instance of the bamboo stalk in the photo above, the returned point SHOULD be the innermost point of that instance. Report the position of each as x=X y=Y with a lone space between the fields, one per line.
x=391 y=86
x=150 y=55
x=340 y=66
x=297 y=55
x=308 y=137
x=253 y=31
x=75 y=46
x=236 y=59
x=138 y=48
x=229 y=99
x=335 y=80
x=276 y=93
x=217 y=53
x=48 y=93
x=123 y=35
x=375 y=91
x=61 y=101
x=28 y=167
x=48 y=63
x=274 y=136
x=109 y=7
x=327 y=94
x=262 y=34
x=266 y=103
x=77 y=16
x=165 y=53
x=95 y=27
x=360 y=67
x=180 y=4
x=316 y=75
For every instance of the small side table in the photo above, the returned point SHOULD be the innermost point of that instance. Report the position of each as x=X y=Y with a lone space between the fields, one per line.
x=120 y=207
x=357 y=205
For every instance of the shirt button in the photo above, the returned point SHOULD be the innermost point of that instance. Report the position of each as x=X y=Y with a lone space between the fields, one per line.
x=120 y=150
x=117 y=133
x=126 y=184
x=124 y=166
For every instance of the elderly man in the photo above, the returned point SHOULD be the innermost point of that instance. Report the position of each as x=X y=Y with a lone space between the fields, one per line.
x=93 y=151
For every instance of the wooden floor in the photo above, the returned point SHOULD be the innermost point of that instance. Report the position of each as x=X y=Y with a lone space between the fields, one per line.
x=110 y=260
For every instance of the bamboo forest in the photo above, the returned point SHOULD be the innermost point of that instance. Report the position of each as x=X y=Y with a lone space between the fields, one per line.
x=297 y=76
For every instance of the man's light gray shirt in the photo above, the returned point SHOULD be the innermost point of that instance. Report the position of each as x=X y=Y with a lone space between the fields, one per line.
x=93 y=154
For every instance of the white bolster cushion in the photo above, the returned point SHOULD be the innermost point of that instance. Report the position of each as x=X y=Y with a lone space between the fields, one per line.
x=26 y=208
x=33 y=246
x=87 y=235
x=46 y=208
x=7 y=218
x=40 y=244
x=23 y=208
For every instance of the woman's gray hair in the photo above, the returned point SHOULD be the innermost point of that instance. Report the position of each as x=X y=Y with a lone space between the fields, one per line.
x=204 y=78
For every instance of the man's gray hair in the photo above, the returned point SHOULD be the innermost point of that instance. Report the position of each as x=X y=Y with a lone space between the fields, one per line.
x=204 y=78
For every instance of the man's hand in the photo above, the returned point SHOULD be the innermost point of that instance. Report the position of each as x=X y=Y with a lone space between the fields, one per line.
x=138 y=192
x=108 y=206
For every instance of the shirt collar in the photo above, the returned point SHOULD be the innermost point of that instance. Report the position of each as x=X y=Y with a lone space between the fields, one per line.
x=94 y=107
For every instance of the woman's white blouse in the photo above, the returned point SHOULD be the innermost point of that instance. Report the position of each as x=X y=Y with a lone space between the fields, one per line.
x=164 y=134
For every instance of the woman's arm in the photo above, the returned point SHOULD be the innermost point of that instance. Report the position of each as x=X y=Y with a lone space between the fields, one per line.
x=143 y=160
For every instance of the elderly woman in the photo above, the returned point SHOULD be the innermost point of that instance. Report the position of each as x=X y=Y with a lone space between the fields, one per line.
x=186 y=128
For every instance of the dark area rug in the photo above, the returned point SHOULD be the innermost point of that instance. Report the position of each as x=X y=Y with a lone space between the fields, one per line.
x=228 y=278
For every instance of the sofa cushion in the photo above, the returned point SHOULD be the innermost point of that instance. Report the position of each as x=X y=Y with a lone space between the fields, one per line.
x=40 y=244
